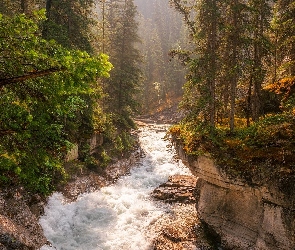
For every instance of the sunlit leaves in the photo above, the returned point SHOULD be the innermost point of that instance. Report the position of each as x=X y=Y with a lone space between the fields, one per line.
x=285 y=88
x=45 y=89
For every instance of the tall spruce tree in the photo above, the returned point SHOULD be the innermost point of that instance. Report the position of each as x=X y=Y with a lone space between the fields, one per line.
x=230 y=47
x=200 y=90
x=70 y=23
x=284 y=29
x=234 y=11
x=122 y=86
x=259 y=16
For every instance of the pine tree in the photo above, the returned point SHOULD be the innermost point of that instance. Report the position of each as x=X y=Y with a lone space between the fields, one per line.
x=259 y=12
x=200 y=91
x=11 y=8
x=232 y=53
x=124 y=81
x=70 y=23
x=284 y=29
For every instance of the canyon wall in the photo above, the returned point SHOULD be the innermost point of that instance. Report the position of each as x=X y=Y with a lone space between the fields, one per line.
x=246 y=217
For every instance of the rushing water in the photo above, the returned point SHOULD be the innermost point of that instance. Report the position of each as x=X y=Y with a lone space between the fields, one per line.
x=116 y=217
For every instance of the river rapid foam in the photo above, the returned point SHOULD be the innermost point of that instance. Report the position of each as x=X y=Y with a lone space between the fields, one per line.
x=116 y=217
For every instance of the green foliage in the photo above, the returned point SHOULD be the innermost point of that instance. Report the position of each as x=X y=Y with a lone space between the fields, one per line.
x=119 y=140
x=242 y=49
x=11 y=8
x=105 y=158
x=283 y=29
x=46 y=91
x=198 y=138
x=271 y=131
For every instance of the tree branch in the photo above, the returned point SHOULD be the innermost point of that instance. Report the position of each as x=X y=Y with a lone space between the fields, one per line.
x=186 y=15
x=30 y=75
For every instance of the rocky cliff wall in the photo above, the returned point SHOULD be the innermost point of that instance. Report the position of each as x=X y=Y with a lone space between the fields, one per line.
x=245 y=217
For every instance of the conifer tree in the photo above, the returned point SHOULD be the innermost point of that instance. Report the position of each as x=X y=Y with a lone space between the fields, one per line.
x=11 y=8
x=69 y=23
x=200 y=90
x=284 y=29
x=124 y=81
x=231 y=57
x=259 y=15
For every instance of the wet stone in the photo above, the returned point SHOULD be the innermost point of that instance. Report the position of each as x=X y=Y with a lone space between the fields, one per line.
x=178 y=188
x=180 y=230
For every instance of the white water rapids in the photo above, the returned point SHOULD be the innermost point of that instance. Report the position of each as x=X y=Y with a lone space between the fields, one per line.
x=116 y=217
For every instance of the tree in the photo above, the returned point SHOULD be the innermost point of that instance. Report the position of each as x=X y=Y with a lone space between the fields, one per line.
x=259 y=12
x=124 y=81
x=232 y=48
x=284 y=30
x=201 y=86
x=161 y=30
x=16 y=7
x=231 y=45
x=70 y=23
x=41 y=85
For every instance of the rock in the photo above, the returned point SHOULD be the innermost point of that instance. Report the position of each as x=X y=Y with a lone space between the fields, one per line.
x=19 y=227
x=178 y=188
x=89 y=180
x=180 y=230
x=20 y=210
x=246 y=217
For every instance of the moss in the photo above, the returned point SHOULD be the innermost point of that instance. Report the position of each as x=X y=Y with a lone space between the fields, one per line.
x=259 y=154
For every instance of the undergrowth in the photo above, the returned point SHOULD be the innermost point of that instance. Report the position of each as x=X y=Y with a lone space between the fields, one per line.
x=259 y=153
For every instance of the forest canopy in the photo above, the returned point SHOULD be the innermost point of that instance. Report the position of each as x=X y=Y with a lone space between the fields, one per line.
x=73 y=69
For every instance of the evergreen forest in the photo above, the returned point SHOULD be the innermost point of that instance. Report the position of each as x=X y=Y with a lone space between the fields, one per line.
x=72 y=69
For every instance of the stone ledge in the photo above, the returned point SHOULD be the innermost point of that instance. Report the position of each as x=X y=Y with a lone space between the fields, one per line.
x=178 y=188
x=246 y=217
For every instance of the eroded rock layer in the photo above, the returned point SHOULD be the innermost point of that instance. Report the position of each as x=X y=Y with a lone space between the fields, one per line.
x=179 y=188
x=246 y=217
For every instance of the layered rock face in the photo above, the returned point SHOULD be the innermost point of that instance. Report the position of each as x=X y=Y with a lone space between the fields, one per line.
x=180 y=228
x=245 y=217
x=178 y=188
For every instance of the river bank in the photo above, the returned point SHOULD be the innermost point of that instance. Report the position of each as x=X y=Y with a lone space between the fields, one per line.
x=177 y=228
x=20 y=210
x=118 y=216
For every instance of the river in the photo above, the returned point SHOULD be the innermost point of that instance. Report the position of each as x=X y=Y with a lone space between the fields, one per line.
x=117 y=216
